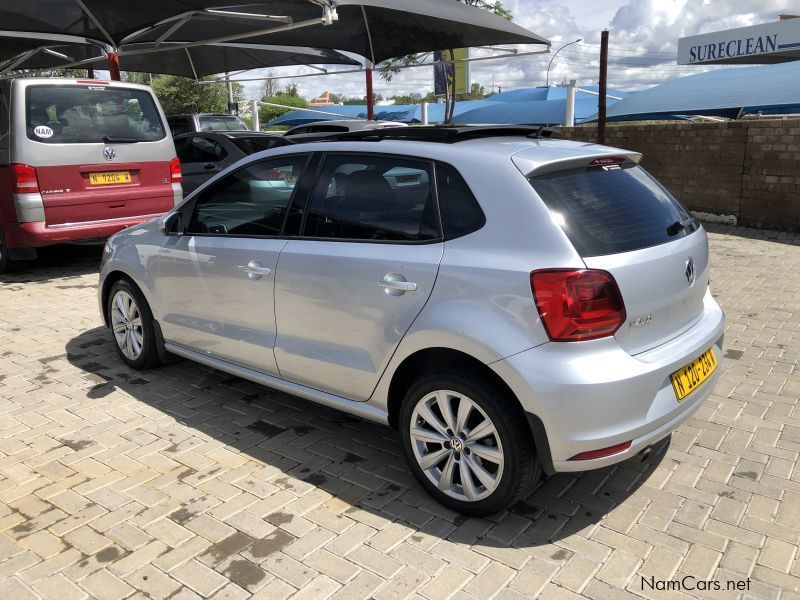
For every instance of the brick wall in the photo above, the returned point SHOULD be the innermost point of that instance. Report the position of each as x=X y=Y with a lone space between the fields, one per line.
x=747 y=169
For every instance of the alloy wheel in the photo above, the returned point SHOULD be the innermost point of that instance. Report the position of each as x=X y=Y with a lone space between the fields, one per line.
x=126 y=323
x=456 y=445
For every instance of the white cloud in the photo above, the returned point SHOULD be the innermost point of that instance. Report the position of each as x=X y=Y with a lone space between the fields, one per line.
x=643 y=39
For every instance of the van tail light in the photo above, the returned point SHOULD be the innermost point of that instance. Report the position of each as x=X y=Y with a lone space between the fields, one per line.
x=577 y=304
x=25 y=180
x=175 y=170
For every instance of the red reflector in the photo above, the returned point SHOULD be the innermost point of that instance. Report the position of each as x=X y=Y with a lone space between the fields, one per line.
x=607 y=160
x=576 y=305
x=603 y=452
x=175 y=170
x=24 y=179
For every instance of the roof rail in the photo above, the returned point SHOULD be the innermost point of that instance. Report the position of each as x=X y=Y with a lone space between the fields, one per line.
x=443 y=133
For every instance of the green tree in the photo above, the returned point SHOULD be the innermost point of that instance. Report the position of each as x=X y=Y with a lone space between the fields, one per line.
x=269 y=113
x=183 y=95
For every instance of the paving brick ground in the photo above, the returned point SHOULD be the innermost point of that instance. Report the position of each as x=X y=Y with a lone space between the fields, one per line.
x=185 y=482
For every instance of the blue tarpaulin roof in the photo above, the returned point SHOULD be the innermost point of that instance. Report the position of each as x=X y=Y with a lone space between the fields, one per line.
x=770 y=89
x=541 y=112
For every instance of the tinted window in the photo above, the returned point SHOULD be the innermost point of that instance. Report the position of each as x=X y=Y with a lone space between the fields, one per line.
x=251 y=201
x=612 y=210
x=79 y=114
x=257 y=143
x=203 y=150
x=221 y=123
x=461 y=213
x=373 y=198
x=178 y=125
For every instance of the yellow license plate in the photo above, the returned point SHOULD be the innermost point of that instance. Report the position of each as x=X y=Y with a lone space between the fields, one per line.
x=110 y=177
x=689 y=378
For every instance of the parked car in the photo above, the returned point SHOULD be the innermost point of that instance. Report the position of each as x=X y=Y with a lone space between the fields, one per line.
x=79 y=160
x=179 y=124
x=203 y=155
x=512 y=304
x=325 y=129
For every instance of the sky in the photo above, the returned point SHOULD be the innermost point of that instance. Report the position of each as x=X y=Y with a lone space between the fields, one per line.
x=643 y=42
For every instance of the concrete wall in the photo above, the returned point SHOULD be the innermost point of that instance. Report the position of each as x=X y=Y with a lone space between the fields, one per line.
x=749 y=170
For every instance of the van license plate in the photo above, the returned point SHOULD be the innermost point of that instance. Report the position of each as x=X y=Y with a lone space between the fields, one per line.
x=689 y=378
x=110 y=178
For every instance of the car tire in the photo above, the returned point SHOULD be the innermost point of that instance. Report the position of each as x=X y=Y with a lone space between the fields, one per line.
x=6 y=264
x=478 y=460
x=132 y=326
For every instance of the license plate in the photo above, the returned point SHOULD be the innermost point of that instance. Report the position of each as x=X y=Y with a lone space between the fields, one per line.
x=110 y=177
x=687 y=379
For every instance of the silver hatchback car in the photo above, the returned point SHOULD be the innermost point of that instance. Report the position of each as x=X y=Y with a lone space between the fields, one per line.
x=512 y=304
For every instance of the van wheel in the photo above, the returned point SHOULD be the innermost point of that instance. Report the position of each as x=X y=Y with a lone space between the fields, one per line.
x=131 y=323
x=6 y=264
x=467 y=443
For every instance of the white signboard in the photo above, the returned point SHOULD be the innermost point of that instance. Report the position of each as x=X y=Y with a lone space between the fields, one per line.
x=759 y=44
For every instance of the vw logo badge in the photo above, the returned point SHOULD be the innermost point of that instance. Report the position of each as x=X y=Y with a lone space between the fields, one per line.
x=109 y=153
x=690 y=271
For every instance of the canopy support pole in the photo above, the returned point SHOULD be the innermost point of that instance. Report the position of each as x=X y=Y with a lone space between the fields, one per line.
x=602 y=90
x=370 y=96
x=113 y=66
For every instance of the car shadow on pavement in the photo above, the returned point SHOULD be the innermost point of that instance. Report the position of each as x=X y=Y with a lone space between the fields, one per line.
x=67 y=261
x=305 y=448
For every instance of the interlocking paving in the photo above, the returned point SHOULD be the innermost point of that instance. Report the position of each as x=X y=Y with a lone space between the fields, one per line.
x=184 y=482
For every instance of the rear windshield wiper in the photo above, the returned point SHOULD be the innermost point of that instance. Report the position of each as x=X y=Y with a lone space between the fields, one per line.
x=675 y=228
x=115 y=140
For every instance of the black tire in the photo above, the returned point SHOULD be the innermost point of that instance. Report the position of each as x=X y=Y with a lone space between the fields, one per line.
x=148 y=356
x=6 y=264
x=520 y=466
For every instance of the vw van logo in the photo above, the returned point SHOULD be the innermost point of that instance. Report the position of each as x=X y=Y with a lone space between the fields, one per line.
x=109 y=153
x=690 y=271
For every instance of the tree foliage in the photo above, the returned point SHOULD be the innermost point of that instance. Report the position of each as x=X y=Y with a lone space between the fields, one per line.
x=183 y=95
x=268 y=113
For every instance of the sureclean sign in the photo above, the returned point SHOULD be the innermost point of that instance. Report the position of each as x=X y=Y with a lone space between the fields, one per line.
x=759 y=44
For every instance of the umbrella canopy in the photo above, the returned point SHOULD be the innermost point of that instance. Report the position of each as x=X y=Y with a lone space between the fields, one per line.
x=209 y=60
x=17 y=50
x=375 y=29
x=728 y=92
x=107 y=20
x=535 y=112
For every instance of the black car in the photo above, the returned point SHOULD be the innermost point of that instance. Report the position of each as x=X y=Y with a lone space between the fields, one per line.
x=203 y=155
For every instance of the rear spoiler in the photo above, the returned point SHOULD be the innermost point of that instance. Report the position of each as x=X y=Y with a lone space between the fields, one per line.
x=530 y=167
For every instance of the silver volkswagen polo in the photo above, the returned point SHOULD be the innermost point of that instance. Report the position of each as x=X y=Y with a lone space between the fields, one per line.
x=512 y=304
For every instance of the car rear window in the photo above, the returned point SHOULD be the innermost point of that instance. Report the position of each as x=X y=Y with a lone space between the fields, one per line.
x=221 y=123
x=608 y=210
x=257 y=143
x=85 y=114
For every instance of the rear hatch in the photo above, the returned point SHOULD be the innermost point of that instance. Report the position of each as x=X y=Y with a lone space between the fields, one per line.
x=101 y=151
x=621 y=220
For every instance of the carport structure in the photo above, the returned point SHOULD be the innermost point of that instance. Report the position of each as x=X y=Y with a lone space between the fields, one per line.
x=374 y=29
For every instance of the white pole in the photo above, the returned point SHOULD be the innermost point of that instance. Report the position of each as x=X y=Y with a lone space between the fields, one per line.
x=570 y=120
x=424 y=113
x=230 y=92
x=254 y=110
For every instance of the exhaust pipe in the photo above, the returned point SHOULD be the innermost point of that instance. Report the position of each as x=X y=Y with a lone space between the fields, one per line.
x=645 y=453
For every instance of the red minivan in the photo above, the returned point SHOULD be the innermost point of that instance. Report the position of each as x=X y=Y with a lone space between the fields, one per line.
x=79 y=161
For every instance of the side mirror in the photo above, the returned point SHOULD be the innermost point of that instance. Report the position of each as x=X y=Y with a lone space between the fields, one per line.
x=172 y=224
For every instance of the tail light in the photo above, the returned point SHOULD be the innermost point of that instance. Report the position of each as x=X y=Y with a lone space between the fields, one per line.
x=577 y=305
x=24 y=179
x=175 y=170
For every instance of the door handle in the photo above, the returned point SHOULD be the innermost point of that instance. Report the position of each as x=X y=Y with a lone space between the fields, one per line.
x=395 y=284
x=255 y=270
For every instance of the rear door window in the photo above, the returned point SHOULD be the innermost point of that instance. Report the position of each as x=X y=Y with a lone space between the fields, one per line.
x=203 y=150
x=378 y=198
x=461 y=213
x=85 y=114
x=609 y=210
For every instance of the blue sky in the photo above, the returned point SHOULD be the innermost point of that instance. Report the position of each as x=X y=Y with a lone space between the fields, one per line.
x=643 y=40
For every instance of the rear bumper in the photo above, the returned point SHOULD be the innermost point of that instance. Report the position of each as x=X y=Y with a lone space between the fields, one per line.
x=592 y=395
x=37 y=234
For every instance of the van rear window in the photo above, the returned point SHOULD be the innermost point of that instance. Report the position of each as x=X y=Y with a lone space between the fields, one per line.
x=85 y=114
x=221 y=123
x=612 y=210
